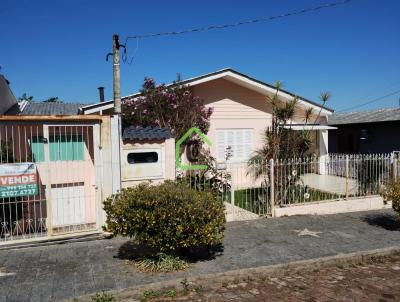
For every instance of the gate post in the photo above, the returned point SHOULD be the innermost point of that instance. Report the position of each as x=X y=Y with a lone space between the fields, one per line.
x=347 y=177
x=272 y=182
x=394 y=169
x=48 y=180
x=232 y=186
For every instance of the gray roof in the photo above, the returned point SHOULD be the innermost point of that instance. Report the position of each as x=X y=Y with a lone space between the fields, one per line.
x=146 y=133
x=188 y=81
x=369 y=116
x=36 y=108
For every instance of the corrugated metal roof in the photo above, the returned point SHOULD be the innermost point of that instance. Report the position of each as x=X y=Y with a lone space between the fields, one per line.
x=42 y=108
x=146 y=133
x=369 y=116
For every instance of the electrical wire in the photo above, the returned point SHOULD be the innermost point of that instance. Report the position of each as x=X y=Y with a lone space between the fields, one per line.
x=371 y=101
x=223 y=26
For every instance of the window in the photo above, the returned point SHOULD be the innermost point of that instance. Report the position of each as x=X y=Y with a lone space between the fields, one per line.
x=66 y=147
x=142 y=157
x=239 y=140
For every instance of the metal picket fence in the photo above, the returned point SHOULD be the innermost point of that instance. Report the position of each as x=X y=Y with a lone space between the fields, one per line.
x=255 y=188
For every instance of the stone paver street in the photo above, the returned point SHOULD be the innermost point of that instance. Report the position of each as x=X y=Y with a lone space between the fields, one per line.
x=56 y=272
x=377 y=281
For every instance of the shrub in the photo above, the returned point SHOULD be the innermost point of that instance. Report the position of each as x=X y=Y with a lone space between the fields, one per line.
x=392 y=192
x=103 y=297
x=169 y=217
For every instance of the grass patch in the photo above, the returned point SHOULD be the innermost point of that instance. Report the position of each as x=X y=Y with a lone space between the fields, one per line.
x=257 y=199
x=149 y=294
x=161 y=263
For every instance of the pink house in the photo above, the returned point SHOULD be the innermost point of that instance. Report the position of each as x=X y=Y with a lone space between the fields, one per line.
x=242 y=112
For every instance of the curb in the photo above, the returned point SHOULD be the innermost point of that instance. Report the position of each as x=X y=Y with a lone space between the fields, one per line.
x=218 y=279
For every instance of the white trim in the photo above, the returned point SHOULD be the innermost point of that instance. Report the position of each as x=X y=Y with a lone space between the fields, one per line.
x=97 y=109
x=309 y=127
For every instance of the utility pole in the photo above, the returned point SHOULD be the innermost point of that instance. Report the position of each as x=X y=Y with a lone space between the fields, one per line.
x=116 y=124
x=117 y=86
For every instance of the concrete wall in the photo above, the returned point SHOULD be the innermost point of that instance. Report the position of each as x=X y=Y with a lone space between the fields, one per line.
x=333 y=207
x=132 y=174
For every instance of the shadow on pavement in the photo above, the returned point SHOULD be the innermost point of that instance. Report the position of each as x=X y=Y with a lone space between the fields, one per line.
x=389 y=222
x=132 y=251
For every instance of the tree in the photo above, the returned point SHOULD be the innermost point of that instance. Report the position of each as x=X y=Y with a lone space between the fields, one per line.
x=280 y=142
x=53 y=99
x=284 y=146
x=25 y=97
x=173 y=107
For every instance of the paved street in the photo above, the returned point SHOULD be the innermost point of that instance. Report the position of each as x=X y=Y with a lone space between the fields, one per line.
x=56 y=272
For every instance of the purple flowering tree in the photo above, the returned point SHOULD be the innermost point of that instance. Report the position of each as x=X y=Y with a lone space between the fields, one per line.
x=173 y=107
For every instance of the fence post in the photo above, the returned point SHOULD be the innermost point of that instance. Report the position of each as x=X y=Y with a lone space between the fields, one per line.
x=347 y=177
x=232 y=186
x=394 y=169
x=272 y=181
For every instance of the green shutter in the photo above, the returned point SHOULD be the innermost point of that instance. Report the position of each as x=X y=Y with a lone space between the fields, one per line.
x=78 y=147
x=66 y=148
x=37 y=149
x=54 y=146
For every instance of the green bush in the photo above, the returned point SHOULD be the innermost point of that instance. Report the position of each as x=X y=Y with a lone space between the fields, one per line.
x=103 y=297
x=392 y=192
x=169 y=217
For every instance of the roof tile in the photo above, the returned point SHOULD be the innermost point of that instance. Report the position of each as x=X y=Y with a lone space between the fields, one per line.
x=146 y=133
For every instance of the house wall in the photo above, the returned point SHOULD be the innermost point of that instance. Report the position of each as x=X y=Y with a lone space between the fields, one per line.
x=239 y=107
x=383 y=137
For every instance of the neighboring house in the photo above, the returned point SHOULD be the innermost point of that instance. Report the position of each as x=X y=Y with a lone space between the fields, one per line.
x=241 y=112
x=372 y=131
x=7 y=98
x=44 y=108
x=56 y=166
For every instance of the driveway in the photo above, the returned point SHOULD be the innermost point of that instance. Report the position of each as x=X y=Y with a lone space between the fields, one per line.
x=56 y=272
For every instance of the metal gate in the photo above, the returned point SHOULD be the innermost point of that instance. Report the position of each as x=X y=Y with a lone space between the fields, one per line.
x=47 y=179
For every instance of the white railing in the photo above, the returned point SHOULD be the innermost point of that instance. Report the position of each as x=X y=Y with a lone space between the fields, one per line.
x=259 y=186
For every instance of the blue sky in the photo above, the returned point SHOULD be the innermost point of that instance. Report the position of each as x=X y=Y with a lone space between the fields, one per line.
x=58 y=48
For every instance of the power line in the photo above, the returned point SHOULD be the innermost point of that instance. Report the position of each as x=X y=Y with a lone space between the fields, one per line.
x=222 y=26
x=371 y=101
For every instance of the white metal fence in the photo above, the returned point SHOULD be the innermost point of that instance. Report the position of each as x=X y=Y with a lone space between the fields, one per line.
x=257 y=187
x=47 y=179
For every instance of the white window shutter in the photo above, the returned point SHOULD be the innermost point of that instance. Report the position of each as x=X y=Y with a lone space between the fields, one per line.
x=248 y=143
x=221 y=142
x=230 y=142
x=240 y=141
x=239 y=144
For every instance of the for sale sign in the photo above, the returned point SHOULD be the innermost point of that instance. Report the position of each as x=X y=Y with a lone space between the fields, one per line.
x=18 y=179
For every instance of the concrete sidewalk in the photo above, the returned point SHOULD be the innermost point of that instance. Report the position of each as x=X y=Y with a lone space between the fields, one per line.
x=58 y=272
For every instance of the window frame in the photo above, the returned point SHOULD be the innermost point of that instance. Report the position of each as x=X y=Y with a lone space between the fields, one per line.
x=145 y=162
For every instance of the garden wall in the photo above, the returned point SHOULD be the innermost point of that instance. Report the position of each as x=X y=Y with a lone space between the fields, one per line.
x=333 y=207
